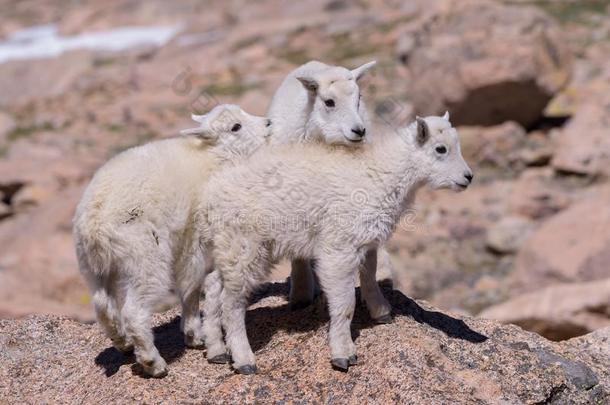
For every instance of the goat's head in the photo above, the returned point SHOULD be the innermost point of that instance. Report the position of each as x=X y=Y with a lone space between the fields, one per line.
x=230 y=130
x=437 y=146
x=338 y=113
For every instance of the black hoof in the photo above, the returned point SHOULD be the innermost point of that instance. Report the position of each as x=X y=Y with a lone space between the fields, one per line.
x=353 y=360
x=384 y=319
x=297 y=306
x=219 y=359
x=247 y=369
x=340 y=364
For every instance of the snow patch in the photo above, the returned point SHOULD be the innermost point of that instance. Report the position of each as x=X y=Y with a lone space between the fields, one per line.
x=43 y=41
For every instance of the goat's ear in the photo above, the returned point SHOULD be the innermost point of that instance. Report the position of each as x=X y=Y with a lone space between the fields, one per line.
x=446 y=116
x=423 y=132
x=204 y=131
x=201 y=133
x=202 y=119
x=361 y=70
x=309 y=83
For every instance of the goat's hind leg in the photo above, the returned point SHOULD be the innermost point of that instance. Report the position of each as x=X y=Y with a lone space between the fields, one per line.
x=104 y=299
x=378 y=306
x=302 y=284
x=190 y=281
x=109 y=318
x=212 y=320
x=137 y=319
x=191 y=319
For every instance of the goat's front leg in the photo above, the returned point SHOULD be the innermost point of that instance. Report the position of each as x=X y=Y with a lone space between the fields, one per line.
x=234 y=305
x=379 y=308
x=336 y=277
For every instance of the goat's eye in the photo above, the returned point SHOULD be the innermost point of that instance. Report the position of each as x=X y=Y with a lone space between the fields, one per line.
x=441 y=150
x=236 y=127
x=329 y=103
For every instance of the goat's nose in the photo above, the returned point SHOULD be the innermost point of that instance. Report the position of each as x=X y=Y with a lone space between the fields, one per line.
x=469 y=176
x=268 y=124
x=360 y=131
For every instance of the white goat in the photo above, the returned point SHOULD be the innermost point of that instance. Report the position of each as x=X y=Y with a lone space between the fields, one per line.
x=319 y=102
x=297 y=201
x=134 y=229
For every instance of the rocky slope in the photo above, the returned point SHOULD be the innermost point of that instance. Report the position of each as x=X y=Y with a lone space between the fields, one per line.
x=424 y=356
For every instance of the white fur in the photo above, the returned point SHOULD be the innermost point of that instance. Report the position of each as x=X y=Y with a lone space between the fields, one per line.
x=315 y=201
x=134 y=229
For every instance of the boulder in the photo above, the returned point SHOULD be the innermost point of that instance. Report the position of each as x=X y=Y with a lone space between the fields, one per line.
x=558 y=312
x=486 y=63
x=536 y=155
x=573 y=245
x=495 y=146
x=424 y=356
x=536 y=195
x=583 y=146
x=507 y=235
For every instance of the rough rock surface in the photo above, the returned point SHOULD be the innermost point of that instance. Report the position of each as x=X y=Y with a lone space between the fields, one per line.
x=424 y=356
x=487 y=63
x=593 y=349
x=558 y=312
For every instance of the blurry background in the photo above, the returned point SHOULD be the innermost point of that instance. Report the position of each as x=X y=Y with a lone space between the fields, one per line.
x=527 y=82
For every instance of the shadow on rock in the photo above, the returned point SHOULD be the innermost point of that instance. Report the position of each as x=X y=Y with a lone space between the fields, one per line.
x=168 y=339
x=264 y=322
x=452 y=327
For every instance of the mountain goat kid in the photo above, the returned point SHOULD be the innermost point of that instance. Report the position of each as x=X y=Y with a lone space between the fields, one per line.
x=315 y=201
x=134 y=229
x=322 y=103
